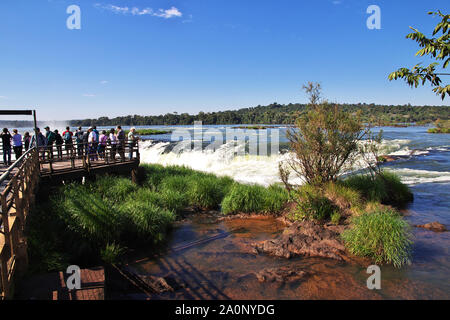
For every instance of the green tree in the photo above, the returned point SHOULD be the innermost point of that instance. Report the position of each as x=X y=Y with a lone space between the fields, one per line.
x=438 y=49
x=325 y=141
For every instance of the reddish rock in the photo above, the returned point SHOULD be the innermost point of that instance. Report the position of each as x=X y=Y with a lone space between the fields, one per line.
x=282 y=274
x=307 y=238
x=433 y=226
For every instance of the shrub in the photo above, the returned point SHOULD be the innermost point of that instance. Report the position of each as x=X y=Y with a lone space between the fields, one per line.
x=312 y=204
x=325 y=141
x=381 y=235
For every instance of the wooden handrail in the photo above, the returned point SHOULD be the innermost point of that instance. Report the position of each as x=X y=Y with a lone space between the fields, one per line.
x=15 y=204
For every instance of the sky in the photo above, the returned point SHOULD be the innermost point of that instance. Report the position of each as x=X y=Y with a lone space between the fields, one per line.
x=151 y=57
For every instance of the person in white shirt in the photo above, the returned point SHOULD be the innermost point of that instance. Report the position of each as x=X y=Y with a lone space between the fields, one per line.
x=92 y=140
x=113 y=142
x=132 y=140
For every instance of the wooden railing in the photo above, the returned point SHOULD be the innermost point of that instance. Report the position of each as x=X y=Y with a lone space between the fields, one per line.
x=16 y=200
x=85 y=156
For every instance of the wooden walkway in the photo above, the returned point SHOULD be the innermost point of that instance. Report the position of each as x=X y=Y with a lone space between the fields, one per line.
x=17 y=196
x=53 y=286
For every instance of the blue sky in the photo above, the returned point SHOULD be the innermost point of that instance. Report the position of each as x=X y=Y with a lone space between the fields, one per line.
x=153 y=57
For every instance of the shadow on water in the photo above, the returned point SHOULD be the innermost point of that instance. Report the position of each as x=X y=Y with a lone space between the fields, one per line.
x=225 y=267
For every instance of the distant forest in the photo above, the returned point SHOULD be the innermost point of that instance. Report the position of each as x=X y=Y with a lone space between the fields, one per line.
x=272 y=114
x=279 y=114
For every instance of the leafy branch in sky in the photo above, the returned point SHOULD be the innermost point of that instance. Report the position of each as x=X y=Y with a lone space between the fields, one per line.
x=438 y=49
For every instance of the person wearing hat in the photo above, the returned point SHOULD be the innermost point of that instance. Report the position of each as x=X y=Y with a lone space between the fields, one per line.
x=132 y=140
x=51 y=138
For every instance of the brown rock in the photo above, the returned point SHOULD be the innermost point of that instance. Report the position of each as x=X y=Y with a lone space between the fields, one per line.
x=433 y=226
x=307 y=238
x=282 y=274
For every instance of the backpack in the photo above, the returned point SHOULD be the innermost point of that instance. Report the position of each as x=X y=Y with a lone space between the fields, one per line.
x=51 y=137
x=67 y=136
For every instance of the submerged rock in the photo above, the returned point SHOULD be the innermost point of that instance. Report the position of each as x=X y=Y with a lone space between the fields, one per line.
x=307 y=238
x=282 y=274
x=433 y=226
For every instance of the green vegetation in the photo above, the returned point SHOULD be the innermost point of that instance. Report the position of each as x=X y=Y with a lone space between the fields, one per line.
x=381 y=235
x=276 y=113
x=254 y=199
x=81 y=223
x=385 y=188
x=327 y=143
x=442 y=126
x=96 y=222
x=437 y=49
x=149 y=132
x=312 y=204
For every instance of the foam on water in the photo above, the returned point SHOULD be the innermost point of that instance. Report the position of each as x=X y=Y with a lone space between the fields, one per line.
x=414 y=176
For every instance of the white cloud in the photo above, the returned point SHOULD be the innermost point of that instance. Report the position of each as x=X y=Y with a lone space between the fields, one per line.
x=135 y=11
x=104 y=82
x=3 y=97
x=169 y=13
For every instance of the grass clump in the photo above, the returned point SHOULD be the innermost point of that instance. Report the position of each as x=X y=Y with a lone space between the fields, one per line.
x=244 y=199
x=386 y=188
x=335 y=217
x=343 y=196
x=205 y=192
x=112 y=253
x=312 y=204
x=381 y=235
x=254 y=199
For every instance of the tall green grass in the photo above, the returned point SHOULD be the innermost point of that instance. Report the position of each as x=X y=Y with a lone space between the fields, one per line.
x=381 y=235
x=386 y=188
x=254 y=199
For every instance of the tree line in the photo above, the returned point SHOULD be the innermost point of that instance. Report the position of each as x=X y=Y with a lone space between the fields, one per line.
x=279 y=114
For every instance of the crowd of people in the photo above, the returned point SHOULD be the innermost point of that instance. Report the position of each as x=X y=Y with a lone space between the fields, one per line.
x=80 y=143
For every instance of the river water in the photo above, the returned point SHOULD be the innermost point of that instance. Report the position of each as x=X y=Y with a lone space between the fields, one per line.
x=225 y=268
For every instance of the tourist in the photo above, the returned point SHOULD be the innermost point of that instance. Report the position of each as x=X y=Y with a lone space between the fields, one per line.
x=68 y=141
x=97 y=137
x=26 y=140
x=132 y=140
x=102 y=144
x=17 y=144
x=85 y=142
x=40 y=142
x=79 y=139
x=6 y=141
x=113 y=143
x=50 y=136
x=59 y=142
x=121 y=143
x=92 y=141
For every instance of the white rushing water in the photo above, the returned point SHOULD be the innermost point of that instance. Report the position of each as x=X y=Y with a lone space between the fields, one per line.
x=263 y=170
